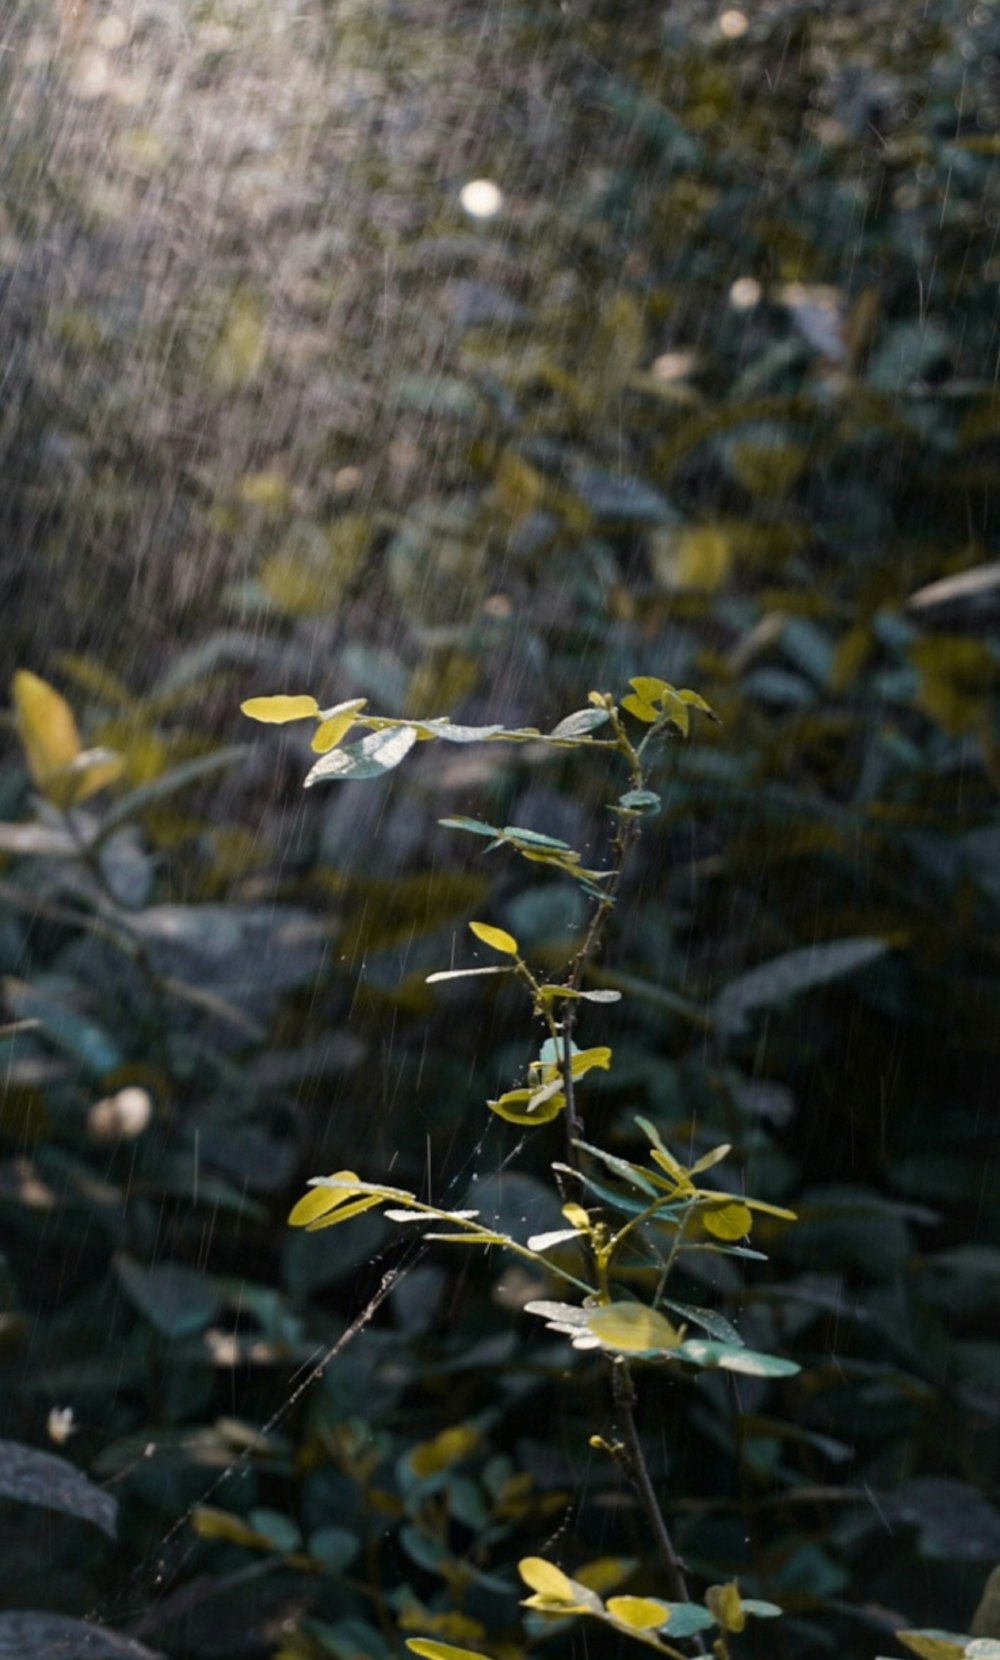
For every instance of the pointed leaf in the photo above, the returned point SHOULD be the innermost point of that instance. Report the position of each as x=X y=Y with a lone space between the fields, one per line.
x=474 y=825
x=429 y=1649
x=545 y=1578
x=461 y=974
x=275 y=711
x=338 y=1189
x=329 y=732
x=579 y=723
x=496 y=938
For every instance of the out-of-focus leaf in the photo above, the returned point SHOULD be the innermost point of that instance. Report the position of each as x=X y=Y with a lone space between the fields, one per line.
x=41 y=1478
x=177 y=1300
x=783 y=978
x=30 y=1636
x=730 y=1358
x=278 y=710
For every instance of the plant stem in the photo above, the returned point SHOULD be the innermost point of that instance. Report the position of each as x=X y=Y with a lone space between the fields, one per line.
x=633 y=1461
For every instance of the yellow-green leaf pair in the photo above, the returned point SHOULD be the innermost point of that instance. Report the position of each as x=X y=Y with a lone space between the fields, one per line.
x=333 y=725
x=60 y=767
x=545 y=1097
x=652 y=700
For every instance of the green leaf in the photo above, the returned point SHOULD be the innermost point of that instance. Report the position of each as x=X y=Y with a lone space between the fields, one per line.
x=765 y=1610
x=640 y=801
x=275 y=711
x=496 y=938
x=376 y=754
x=729 y=1357
x=176 y=1299
x=580 y=723
x=42 y=1478
x=686 y=1618
x=534 y=838
x=474 y=825
x=26 y=1635
x=783 y=978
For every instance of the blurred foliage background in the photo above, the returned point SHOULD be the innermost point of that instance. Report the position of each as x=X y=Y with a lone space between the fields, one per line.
x=711 y=395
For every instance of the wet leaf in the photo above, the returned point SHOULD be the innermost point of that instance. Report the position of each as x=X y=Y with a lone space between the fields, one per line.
x=783 y=978
x=732 y=1358
x=276 y=711
x=376 y=754
x=44 y=1479
x=30 y=1636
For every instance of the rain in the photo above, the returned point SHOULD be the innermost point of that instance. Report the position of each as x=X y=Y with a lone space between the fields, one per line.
x=499 y=838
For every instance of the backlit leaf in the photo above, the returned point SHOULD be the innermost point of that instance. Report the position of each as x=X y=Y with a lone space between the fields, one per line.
x=46 y=726
x=496 y=938
x=341 y=1187
x=632 y=1328
x=723 y=1601
x=275 y=711
x=429 y=1649
x=640 y=1613
x=732 y=1221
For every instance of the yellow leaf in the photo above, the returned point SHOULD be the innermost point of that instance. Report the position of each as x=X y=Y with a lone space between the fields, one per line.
x=496 y=938
x=87 y=773
x=641 y=1613
x=429 y=1649
x=319 y=1200
x=329 y=733
x=605 y=1572
x=642 y=710
x=529 y=1106
x=429 y=1458
x=576 y=1216
x=275 y=711
x=45 y=726
x=632 y=1328
x=209 y=1523
x=343 y=1213
x=695 y=559
x=729 y=1221
x=649 y=688
x=933 y=1645
x=707 y=1161
x=724 y=1605
x=549 y=1581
